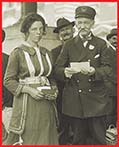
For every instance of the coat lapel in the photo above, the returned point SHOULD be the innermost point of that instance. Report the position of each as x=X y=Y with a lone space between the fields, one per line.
x=80 y=47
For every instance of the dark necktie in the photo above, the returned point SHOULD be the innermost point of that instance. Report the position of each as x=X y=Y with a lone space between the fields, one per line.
x=86 y=39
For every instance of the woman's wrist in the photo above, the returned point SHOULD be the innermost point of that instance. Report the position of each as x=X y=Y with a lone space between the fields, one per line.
x=25 y=89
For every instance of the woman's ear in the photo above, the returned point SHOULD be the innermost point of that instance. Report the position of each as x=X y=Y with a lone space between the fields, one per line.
x=26 y=35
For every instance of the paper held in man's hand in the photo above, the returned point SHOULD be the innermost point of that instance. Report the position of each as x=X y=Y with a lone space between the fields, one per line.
x=78 y=66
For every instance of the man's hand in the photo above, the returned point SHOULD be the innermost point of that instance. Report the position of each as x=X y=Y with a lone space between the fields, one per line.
x=69 y=72
x=89 y=71
x=84 y=71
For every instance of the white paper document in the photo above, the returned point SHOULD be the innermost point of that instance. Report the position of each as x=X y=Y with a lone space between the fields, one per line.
x=78 y=66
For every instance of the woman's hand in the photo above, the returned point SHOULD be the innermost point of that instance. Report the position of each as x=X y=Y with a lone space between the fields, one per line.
x=36 y=94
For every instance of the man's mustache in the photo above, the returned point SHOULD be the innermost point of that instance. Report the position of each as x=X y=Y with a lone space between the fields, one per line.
x=67 y=34
x=83 y=30
x=114 y=43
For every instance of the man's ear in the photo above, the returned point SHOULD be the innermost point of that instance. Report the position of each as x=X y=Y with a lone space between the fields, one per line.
x=93 y=22
x=60 y=36
x=73 y=30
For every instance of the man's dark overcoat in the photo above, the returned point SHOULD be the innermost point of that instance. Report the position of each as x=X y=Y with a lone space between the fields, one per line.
x=84 y=96
x=112 y=78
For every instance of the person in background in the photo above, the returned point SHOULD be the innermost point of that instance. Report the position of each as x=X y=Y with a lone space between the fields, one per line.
x=7 y=97
x=82 y=65
x=112 y=78
x=28 y=77
x=65 y=32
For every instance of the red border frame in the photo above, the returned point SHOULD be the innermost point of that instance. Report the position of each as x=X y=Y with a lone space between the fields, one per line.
x=1 y=60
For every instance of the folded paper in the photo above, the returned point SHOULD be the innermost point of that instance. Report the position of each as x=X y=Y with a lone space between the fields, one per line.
x=78 y=66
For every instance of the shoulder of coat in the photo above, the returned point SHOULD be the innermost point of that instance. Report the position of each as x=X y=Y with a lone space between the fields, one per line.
x=44 y=50
x=100 y=40
x=57 y=48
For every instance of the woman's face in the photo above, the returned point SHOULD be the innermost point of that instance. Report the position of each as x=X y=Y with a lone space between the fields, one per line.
x=35 y=32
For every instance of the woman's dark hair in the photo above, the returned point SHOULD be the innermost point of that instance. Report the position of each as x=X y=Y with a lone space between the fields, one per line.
x=29 y=20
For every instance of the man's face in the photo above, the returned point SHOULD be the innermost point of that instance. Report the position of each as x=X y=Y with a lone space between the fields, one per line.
x=66 y=32
x=113 y=41
x=84 y=25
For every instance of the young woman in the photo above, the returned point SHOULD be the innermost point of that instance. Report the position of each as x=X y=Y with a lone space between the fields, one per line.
x=28 y=77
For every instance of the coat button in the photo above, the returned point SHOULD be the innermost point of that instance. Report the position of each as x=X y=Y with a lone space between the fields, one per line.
x=80 y=91
x=89 y=90
x=89 y=80
x=77 y=81
x=89 y=60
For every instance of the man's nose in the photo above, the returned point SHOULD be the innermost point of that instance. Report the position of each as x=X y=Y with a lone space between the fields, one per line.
x=65 y=31
x=82 y=26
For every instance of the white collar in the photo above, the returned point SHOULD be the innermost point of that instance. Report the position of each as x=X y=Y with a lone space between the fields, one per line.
x=109 y=44
x=27 y=44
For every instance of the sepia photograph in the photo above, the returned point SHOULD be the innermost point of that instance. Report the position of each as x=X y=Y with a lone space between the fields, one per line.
x=59 y=73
